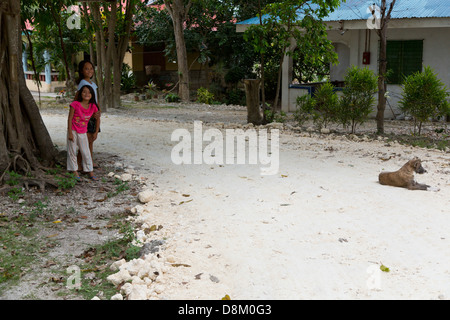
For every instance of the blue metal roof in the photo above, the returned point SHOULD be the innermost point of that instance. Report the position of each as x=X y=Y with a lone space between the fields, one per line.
x=403 y=9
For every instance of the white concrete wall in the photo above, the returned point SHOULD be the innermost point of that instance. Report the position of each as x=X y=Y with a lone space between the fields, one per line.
x=46 y=87
x=436 y=54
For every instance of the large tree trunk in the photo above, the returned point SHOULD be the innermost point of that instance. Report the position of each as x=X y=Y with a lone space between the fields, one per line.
x=104 y=54
x=111 y=48
x=254 y=115
x=120 y=50
x=382 y=81
x=382 y=33
x=25 y=144
x=178 y=12
x=277 y=92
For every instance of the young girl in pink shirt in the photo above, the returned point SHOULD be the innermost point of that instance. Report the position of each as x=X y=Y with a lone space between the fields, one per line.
x=80 y=112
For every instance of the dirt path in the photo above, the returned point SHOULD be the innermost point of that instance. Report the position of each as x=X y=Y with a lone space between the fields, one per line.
x=320 y=228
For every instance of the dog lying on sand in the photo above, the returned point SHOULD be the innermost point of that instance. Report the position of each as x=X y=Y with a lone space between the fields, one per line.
x=404 y=177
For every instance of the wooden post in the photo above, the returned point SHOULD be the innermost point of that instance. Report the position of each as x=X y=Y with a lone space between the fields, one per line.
x=252 y=98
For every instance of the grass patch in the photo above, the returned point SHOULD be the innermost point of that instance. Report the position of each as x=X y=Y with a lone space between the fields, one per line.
x=20 y=247
x=440 y=143
x=97 y=260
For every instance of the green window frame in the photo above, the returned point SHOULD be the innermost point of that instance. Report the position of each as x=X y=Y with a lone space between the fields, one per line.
x=404 y=57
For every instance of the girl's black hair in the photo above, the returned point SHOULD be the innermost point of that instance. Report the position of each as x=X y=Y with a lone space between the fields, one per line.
x=80 y=69
x=91 y=90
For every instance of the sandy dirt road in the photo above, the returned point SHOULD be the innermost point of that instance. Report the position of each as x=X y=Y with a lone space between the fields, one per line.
x=318 y=229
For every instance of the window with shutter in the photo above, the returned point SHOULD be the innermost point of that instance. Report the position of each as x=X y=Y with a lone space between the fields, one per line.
x=403 y=59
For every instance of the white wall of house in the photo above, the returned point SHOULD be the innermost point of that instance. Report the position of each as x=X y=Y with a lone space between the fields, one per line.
x=350 y=46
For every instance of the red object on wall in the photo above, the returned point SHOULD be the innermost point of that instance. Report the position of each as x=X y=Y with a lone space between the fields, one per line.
x=366 y=58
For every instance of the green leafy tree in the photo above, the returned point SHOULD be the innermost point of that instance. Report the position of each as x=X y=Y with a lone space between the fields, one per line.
x=297 y=20
x=25 y=145
x=50 y=33
x=209 y=31
x=111 y=23
x=424 y=96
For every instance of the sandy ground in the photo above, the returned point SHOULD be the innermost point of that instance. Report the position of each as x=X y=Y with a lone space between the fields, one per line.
x=318 y=229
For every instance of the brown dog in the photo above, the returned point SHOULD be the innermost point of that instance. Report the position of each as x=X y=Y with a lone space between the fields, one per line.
x=404 y=177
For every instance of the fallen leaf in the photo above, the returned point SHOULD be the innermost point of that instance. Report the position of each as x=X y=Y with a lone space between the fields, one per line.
x=57 y=221
x=180 y=265
x=198 y=276
x=101 y=200
x=227 y=297
x=56 y=279
x=49 y=264
x=384 y=268
x=91 y=227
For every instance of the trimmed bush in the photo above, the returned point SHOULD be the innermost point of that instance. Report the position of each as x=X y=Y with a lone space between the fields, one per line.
x=305 y=109
x=326 y=105
x=322 y=108
x=358 y=99
x=424 y=96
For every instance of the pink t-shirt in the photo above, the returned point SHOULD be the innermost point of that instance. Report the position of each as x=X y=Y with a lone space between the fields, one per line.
x=81 y=116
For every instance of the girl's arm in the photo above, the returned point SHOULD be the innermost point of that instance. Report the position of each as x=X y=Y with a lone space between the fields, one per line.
x=97 y=124
x=69 y=123
x=97 y=114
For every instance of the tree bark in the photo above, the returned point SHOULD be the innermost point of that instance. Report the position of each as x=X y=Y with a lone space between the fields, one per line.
x=178 y=12
x=104 y=54
x=263 y=91
x=252 y=98
x=382 y=33
x=24 y=140
x=111 y=49
x=382 y=82
x=277 y=92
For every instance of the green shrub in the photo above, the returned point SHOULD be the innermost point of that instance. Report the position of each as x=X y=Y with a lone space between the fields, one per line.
x=326 y=105
x=322 y=108
x=127 y=79
x=234 y=75
x=236 y=97
x=424 y=96
x=358 y=98
x=172 y=97
x=204 y=96
x=272 y=116
x=305 y=109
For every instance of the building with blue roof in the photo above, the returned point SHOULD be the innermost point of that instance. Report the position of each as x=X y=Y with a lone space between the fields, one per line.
x=418 y=36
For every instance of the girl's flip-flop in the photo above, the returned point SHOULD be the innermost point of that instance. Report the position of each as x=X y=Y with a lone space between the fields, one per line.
x=93 y=178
